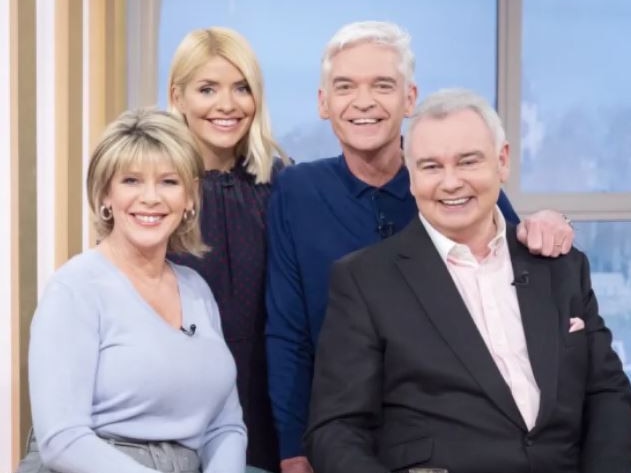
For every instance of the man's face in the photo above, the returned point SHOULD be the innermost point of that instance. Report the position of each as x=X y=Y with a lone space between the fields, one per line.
x=366 y=98
x=456 y=174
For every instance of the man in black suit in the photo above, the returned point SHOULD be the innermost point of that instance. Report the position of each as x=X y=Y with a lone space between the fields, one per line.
x=450 y=346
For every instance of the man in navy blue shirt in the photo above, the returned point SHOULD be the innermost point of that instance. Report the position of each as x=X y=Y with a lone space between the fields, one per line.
x=323 y=210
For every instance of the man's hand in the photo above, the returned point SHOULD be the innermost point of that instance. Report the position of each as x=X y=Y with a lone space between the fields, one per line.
x=295 y=465
x=546 y=233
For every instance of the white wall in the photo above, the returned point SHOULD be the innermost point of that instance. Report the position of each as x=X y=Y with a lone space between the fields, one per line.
x=5 y=245
x=45 y=47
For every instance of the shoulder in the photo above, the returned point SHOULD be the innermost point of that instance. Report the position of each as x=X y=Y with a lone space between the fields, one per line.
x=298 y=174
x=190 y=278
x=80 y=271
x=188 y=275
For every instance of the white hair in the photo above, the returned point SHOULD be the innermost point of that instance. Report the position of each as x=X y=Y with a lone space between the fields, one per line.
x=375 y=32
x=446 y=102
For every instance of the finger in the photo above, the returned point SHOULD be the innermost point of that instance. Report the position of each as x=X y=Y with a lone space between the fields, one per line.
x=566 y=246
x=547 y=245
x=522 y=233
x=535 y=239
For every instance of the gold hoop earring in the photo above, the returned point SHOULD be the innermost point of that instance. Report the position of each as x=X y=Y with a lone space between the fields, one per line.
x=105 y=213
x=188 y=215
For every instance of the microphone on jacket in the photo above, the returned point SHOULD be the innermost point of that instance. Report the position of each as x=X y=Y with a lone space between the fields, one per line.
x=190 y=331
x=522 y=280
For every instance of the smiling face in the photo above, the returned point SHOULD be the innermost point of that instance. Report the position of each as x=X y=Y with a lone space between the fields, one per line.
x=218 y=107
x=365 y=97
x=148 y=202
x=456 y=174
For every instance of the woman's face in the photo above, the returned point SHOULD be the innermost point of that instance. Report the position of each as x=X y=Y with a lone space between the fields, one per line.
x=148 y=203
x=218 y=106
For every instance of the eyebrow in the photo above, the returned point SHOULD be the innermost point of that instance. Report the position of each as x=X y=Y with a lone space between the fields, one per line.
x=391 y=80
x=459 y=156
x=212 y=82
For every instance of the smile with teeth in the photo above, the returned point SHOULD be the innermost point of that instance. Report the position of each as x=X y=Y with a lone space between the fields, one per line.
x=148 y=219
x=224 y=122
x=365 y=121
x=455 y=202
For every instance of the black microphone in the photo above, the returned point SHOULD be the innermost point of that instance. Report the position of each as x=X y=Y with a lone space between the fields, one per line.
x=190 y=331
x=385 y=229
x=522 y=280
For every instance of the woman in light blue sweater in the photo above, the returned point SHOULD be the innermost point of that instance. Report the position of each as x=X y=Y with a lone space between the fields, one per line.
x=129 y=371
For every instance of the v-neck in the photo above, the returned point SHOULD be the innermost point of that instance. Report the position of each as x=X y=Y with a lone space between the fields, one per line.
x=155 y=315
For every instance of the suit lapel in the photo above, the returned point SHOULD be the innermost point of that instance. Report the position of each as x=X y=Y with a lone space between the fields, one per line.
x=429 y=279
x=540 y=320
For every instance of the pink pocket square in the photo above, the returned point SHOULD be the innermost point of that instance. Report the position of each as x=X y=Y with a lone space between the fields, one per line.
x=576 y=324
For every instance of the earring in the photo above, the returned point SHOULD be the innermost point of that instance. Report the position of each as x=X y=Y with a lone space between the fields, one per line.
x=188 y=215
x=105 y=213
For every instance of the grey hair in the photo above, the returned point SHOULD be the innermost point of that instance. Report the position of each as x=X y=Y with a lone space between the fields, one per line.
x=375 y=32
x=446 y=102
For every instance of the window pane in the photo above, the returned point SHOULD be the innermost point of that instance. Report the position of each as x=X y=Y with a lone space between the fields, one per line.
x=608 y=246
x=576 y=98
x=454 y=42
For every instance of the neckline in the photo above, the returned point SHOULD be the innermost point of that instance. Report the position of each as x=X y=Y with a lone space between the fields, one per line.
x=121 y=276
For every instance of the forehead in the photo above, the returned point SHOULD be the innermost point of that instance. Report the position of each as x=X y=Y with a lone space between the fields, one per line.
x=218 y=69
x=455 y=133
x=365 y=60
x=151 y=162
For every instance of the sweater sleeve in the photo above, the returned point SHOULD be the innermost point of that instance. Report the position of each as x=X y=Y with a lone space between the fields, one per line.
x=289 y=346
x=63 y=358
x=225 y=440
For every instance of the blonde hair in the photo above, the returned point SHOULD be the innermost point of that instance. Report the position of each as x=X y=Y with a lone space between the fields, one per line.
x=258 y=145
x=144 y=137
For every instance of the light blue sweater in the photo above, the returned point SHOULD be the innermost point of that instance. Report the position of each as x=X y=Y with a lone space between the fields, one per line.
x=103 y=362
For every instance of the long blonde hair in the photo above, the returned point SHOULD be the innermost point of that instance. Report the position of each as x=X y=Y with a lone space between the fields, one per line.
x=258 y=145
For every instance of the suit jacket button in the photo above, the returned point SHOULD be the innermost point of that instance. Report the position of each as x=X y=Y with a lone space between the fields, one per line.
x=528 y=442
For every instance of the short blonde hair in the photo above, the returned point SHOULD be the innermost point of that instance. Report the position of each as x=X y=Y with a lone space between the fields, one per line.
x=143 y=137
x=258 y=145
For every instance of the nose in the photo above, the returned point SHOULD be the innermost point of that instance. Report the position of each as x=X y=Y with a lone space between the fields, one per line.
x=451 y=180
x=150 y=193
x=364 y=99
x=225 y=101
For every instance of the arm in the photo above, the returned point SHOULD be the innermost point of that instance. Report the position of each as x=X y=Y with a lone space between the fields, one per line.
x=606 y=442
x=507 y=209
x=343 y=413
x=226 y=439
x=289 y=347
x=63 y=360
x=547 y=232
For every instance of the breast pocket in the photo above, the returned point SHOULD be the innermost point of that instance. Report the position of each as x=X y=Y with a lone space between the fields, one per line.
x=407 y=454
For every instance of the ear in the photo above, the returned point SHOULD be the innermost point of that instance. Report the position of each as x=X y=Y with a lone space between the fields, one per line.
x=176 y=98
x=504 y=163
x=323 y=107
x=410 y=99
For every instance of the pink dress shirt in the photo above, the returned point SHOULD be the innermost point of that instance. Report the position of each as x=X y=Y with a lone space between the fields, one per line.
x=485 y=287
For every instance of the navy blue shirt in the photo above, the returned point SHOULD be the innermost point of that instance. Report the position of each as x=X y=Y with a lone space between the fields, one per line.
x=318 y=212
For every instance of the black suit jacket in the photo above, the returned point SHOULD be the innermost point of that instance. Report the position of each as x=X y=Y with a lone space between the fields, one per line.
x=403 y=378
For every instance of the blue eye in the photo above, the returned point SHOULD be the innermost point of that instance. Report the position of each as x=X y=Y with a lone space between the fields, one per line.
x=206 y=90
x=171 y=182
x=244 y=89
x=129 y=180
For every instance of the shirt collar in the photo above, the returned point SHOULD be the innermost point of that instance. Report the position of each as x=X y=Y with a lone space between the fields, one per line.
x=398 y=186
x=447 y=247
